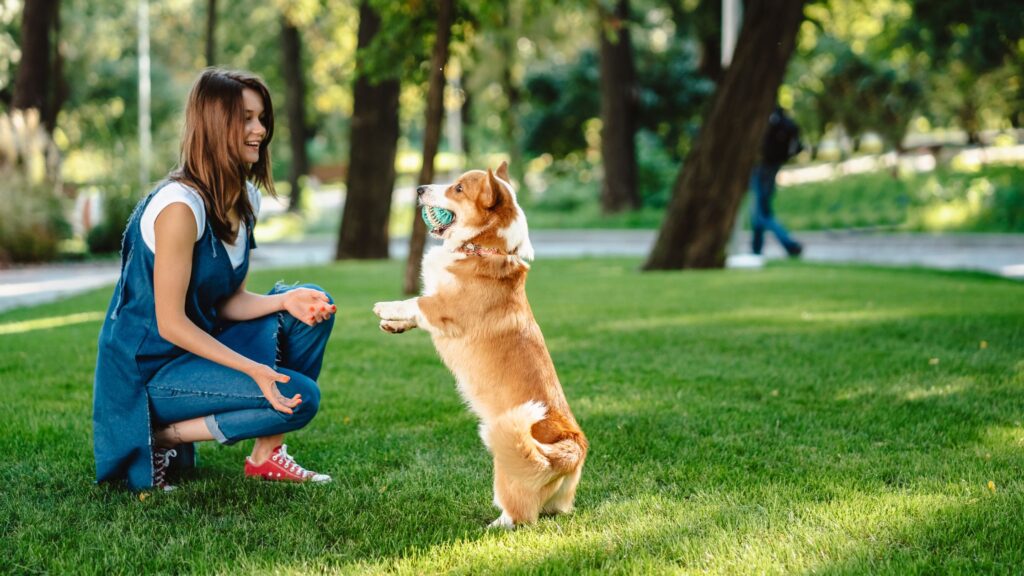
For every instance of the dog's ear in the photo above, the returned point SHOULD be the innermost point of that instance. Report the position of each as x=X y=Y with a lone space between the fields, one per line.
x=492 y=195
x=503 y=171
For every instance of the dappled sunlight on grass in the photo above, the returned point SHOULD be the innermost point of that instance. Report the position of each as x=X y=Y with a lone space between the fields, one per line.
x=917 y=388
x=757 y=317
x=714 y=532
x=1003 y=438
x=926 y=392
x=50 y=322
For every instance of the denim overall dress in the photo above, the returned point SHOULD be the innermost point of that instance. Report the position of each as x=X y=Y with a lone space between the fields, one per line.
x=131 y=351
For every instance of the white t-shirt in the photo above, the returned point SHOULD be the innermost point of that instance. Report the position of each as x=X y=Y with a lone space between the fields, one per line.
x=178 y=192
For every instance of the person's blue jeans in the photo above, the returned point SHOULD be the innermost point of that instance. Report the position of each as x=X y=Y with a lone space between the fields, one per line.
x=763 y=185
x=232 y=404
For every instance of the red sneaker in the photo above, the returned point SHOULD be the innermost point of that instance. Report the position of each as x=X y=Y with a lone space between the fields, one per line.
x=281 y=467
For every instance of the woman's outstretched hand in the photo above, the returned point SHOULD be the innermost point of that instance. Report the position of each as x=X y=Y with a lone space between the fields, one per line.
x=308 y=306
x=267 y=378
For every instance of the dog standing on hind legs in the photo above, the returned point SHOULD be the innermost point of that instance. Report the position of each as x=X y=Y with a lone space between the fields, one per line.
x=474 y=306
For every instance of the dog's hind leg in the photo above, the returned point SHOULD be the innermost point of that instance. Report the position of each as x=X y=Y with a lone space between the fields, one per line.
x=562 y=500
x=519 y=499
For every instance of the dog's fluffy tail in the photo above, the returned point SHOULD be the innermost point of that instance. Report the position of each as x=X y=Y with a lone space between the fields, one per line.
x=510 y=439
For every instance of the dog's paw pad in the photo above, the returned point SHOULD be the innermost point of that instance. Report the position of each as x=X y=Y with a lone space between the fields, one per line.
x=395 y=326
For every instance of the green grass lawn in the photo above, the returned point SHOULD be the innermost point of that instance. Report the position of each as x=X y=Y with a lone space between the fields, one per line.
x=983 y=199
x=797 y=419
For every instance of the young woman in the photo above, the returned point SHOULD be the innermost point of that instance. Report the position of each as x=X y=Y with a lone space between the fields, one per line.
x=186 y=353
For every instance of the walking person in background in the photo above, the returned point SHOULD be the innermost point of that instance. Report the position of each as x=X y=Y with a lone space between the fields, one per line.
x=781 y=142
x=186 y=353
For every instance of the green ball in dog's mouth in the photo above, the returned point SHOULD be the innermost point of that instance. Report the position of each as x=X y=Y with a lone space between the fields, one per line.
x=437 y=219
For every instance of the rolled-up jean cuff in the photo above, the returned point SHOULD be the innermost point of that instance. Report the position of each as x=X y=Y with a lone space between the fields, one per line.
x=214 y=428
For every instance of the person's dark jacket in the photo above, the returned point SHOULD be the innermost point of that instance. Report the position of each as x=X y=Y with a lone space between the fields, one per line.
x=781 y=139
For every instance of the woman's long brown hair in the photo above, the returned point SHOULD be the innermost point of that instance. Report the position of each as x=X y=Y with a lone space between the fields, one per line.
x=211 y=159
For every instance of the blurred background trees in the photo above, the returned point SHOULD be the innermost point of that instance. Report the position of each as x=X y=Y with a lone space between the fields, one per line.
x=602 y=107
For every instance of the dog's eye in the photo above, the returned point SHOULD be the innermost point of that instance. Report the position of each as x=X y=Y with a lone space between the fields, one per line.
x=458 y=188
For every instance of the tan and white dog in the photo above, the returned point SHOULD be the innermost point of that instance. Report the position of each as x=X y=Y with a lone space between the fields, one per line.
x=474 y=307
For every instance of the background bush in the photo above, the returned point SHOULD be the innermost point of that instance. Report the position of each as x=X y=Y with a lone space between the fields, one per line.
x=32 y=222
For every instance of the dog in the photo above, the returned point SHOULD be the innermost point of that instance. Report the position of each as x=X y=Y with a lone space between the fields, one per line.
x=474 y=306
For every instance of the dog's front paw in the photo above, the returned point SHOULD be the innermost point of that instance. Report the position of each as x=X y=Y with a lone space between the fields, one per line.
x=389 y=310
x=396 y=326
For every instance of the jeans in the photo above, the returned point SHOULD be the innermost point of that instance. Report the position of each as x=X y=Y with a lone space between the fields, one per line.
x=763 y=184
x=231 y=403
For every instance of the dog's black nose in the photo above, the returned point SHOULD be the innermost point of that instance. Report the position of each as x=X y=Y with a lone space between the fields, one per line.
x=420 y=190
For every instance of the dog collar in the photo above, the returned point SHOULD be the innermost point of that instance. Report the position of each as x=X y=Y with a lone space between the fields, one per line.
x=476 y=249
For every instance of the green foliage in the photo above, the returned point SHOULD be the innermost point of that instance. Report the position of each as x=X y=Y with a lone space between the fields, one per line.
x=875 y=66
x=119 y=199
x=863 y=95
x=32 y=222
x=793 y=420
x=564 y=97
x=569 y=184
x=983 y=34
x=657 y=168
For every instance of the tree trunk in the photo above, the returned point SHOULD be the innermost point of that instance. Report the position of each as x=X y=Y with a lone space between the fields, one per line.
x=33 y=87
x=371 y=175
x=618 y=112
x=295 y=100
x=431 y=139
x=710 y=186
x=60 y=84
x=510 y=87
x=211 y=32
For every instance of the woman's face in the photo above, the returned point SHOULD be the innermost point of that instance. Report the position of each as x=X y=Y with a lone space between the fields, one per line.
x=254 y=132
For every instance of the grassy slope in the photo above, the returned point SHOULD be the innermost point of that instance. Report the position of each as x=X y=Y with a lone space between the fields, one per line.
x=795 y=419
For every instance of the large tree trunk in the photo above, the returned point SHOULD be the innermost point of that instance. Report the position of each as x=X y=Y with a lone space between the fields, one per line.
x=295 y=100
x=211 y=32
x=618 y=112
x=711 y=184
x=371 y=175
x=60 y=83
x=431 y=139
x=40 y=63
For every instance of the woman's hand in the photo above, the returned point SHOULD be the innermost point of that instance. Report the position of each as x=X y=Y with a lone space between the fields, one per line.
x=267 y=378
x=308 y=306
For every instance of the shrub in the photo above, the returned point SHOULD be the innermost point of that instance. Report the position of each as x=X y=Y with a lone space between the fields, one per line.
x=32 y=221
x=119 y=200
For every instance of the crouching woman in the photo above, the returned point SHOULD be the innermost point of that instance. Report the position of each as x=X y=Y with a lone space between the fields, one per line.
x=186 y=353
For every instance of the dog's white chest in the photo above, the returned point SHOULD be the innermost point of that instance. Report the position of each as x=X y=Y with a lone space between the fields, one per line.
x=435 y=269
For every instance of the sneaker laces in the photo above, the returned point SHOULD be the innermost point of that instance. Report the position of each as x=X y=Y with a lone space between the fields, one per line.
x=284 y=459
x=161 y=463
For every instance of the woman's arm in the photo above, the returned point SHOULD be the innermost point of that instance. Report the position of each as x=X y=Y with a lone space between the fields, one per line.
x=305 y=304
x=176 y=230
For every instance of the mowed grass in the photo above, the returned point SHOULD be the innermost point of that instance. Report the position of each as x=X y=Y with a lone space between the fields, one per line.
x=797 y=419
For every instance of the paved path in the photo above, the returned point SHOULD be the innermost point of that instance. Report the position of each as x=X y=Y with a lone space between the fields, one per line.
x=1000 y=254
